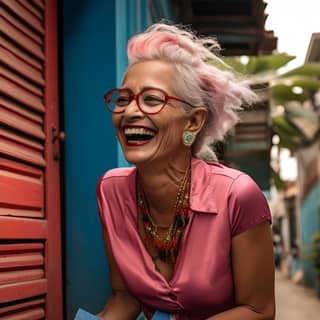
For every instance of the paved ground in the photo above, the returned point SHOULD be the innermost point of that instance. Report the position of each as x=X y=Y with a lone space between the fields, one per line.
x=295 y=302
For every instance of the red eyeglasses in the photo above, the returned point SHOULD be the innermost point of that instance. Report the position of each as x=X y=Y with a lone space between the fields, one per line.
x=149 y=100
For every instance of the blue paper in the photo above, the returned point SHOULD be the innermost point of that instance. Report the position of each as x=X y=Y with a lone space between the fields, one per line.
x=159 y=315
x=84 y=315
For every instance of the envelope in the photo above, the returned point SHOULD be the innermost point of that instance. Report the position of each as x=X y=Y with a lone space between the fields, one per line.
x=84 y=315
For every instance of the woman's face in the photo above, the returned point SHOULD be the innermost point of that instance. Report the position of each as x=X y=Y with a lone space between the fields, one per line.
x=146 y=138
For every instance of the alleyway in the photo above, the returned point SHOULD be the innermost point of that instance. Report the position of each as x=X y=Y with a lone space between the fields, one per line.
x=295 y=302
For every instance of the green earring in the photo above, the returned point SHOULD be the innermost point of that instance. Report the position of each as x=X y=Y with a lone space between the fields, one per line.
x=188 y=138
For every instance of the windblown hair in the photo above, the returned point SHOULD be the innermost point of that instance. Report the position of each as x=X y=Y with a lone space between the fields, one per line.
x=198 y=82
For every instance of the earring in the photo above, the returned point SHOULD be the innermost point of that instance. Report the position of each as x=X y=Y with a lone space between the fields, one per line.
x=188 y=138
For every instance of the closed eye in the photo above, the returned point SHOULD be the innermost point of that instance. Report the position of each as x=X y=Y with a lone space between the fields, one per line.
x=122 y=101
x=151 y=100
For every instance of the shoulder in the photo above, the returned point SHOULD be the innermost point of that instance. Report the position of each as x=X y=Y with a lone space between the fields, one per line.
x=116 y=177
x=215 y=174
x=117 y=173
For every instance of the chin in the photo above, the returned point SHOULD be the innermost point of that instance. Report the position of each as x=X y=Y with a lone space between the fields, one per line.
x=136 y=159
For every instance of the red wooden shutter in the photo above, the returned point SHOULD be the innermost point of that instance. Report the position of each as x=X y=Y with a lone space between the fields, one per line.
x=30 y=244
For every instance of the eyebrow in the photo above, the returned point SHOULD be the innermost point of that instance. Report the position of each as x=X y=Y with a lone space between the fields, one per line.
x=144 y=88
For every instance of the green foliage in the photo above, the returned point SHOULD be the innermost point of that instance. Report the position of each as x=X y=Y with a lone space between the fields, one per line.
x=290 y=136
x=258 y=64
x=308 y=69
x=283 y=89
x=278 y=182
x=282 y=93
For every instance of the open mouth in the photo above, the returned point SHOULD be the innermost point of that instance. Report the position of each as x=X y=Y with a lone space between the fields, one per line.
x=138 y=135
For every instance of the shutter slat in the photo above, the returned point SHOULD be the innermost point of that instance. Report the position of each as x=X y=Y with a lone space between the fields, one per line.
x=20 y=212
x=33 y=9
x=21 y=148
x=23 y=228
x=21 y=38
x=21 y=26
x=21 y=123
x=32 y=314
x=21 y=305
x=22 y=54
x=21 y=82
x=14 y=247
x=22 y=290
x=39 y=4
x=31 y=193
x=20 y=110
x=30 y=285
x=21 y=260
x=25 y=15
x=25 y=142
x=26 y=70
x=16 y=167
x=21 y=95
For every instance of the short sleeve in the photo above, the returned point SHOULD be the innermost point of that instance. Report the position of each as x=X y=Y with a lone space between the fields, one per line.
x=247 y=205
x=99 y=195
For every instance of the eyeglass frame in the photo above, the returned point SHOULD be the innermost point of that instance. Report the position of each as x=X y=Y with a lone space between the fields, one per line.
x=136 y=97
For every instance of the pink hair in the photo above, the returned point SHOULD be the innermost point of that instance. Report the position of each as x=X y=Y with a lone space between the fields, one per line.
x=198 y=82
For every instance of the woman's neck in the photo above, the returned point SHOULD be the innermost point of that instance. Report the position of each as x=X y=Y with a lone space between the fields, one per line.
x=160 y=184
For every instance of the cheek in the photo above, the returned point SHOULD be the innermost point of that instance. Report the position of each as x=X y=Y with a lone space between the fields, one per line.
x=116 y=121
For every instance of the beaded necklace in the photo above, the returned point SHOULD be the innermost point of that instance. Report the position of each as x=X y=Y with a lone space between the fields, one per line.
x=167 y=248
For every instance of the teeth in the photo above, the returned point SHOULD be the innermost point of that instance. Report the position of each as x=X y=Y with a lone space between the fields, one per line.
x=141 y=131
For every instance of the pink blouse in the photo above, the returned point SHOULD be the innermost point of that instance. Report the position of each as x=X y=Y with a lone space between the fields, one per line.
x=224 y=202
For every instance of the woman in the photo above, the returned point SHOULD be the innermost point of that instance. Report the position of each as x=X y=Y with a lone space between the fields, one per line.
x=185 y=236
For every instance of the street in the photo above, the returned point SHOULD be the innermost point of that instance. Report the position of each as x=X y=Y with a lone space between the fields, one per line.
x=295 y=302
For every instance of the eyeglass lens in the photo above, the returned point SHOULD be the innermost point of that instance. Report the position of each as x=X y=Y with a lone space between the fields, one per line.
x=150 y=100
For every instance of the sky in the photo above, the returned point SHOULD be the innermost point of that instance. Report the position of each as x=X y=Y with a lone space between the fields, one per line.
x=293 y=22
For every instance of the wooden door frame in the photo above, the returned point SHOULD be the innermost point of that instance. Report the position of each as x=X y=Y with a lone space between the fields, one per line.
x=54 y=306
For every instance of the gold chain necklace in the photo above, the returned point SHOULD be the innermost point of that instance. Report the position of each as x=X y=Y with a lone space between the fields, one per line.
x=166 y=248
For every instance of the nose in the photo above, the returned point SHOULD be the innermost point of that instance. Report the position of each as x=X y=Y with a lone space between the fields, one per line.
x=132 y=109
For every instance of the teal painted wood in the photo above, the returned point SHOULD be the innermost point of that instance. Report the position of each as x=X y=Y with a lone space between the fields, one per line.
x=162 y=9
x=310 y=223
x=89 y=69
x=132 y=16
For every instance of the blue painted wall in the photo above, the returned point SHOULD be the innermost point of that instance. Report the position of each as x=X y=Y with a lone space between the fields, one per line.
x=310 y=223
x=89 y=69
x=93 y=37
x=132 y=16
x=93 y=42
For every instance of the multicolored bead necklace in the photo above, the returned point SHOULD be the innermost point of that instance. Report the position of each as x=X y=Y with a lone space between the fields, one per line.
x=167 y=248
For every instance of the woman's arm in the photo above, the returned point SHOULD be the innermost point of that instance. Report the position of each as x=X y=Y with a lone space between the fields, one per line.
x=121 y=305
x=253 y=274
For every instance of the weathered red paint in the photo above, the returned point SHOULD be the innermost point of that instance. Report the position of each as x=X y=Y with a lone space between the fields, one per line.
x=52 y=175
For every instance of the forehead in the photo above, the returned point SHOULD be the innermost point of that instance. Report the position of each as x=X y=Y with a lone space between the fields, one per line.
x=155 y=73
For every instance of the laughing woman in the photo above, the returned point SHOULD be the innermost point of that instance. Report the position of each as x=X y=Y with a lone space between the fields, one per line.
x=183 y=234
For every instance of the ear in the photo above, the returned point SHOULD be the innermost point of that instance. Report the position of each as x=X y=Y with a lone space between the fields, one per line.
x=197 y=119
